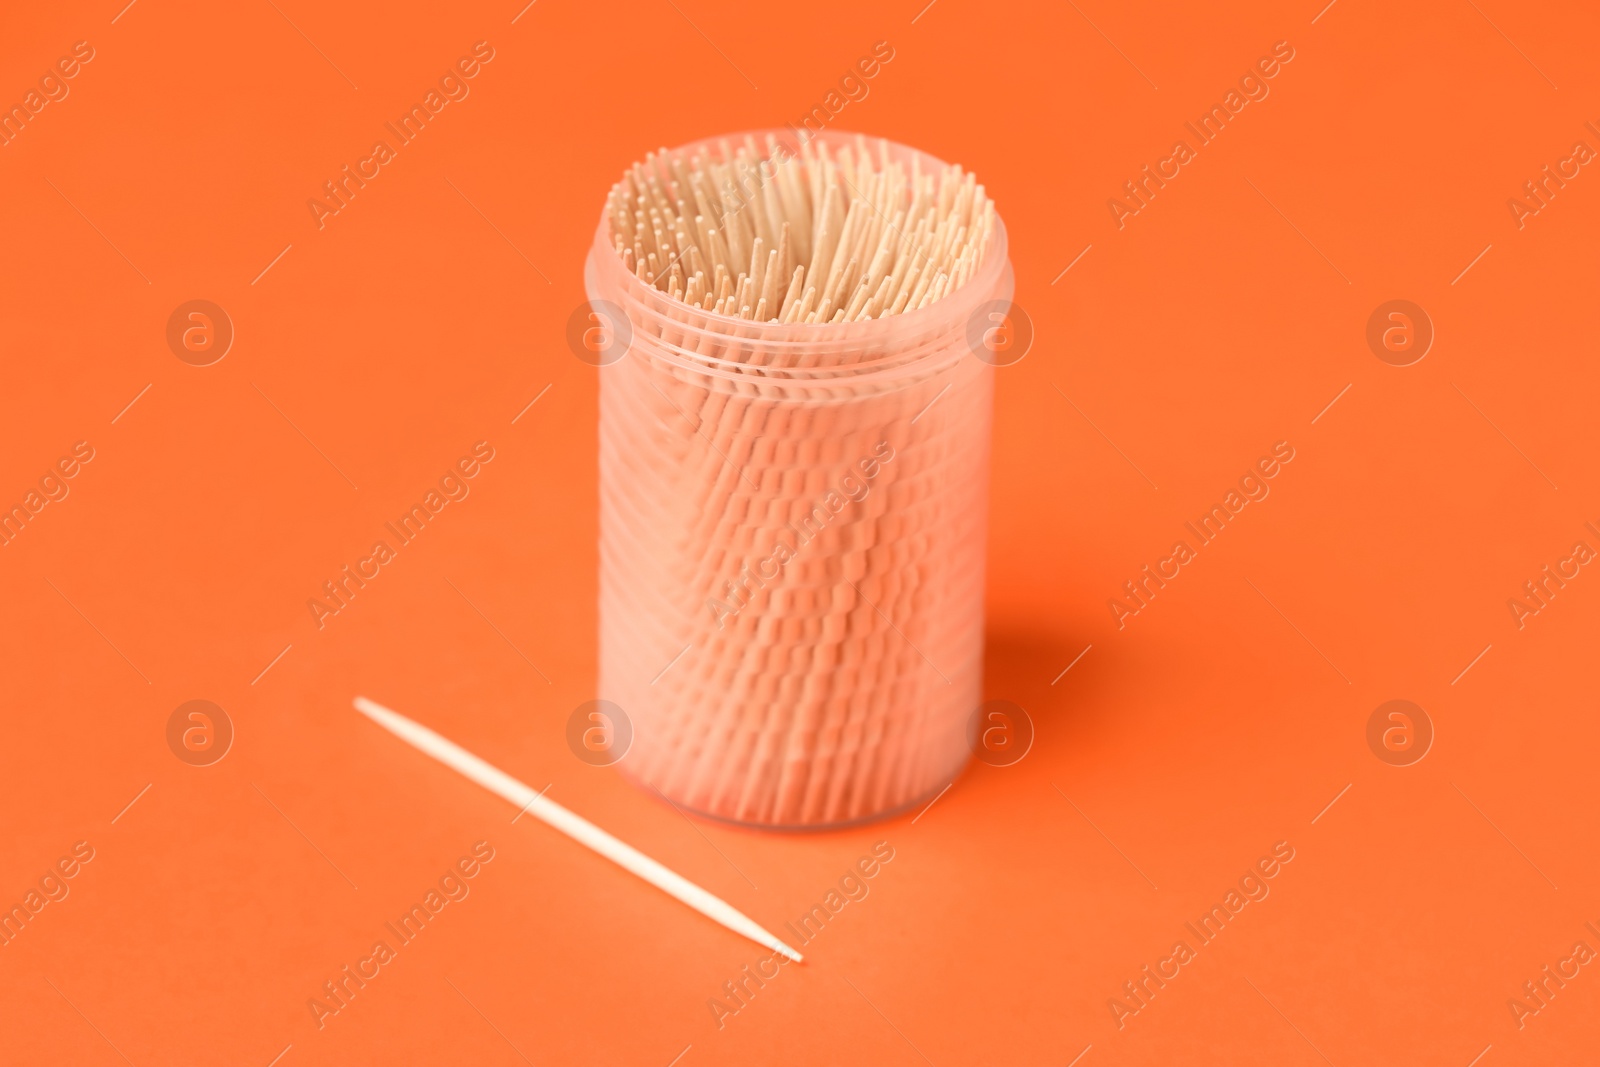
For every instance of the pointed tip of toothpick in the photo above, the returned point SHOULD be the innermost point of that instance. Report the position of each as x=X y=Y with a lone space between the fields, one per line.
x=787 y=951
x=378 y=713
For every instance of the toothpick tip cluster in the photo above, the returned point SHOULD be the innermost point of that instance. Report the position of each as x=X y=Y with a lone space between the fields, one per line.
x=815 y=237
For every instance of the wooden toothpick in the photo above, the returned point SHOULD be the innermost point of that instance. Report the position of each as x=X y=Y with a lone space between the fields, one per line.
x=574 y=826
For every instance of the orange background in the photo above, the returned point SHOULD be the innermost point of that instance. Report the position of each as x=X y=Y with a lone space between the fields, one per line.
x=425 y=316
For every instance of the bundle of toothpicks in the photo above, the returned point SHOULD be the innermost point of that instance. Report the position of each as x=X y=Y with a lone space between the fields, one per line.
x=779 y=237
x=792 y=520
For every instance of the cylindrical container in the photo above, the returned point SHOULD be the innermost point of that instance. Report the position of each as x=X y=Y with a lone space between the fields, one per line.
x=792 y=537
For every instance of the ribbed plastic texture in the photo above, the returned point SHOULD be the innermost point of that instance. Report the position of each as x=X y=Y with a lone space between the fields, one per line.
x=792 y=538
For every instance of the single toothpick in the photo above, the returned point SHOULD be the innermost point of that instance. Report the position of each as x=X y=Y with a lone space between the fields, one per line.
x=574 y=826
